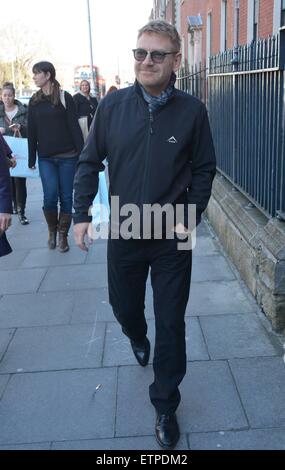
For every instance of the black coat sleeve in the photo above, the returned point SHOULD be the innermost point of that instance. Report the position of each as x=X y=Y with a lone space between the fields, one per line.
x=203 y=164
x=5 y=187
x=76 y=104
x=90 y=163
x=73 y=123
x=32 y=136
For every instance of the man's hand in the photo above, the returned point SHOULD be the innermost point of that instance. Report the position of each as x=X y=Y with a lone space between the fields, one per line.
x=79 y=232
x=13 y=162
x=5 y=222
x=15 y=127
x=181 y=229
x=2 y=130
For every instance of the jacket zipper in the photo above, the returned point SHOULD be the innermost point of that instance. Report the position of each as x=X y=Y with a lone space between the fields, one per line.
x=151 y=123
x=150 y=133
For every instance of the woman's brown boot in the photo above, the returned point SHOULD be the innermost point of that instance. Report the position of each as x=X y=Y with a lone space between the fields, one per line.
x=52 y=221
x=63 y=228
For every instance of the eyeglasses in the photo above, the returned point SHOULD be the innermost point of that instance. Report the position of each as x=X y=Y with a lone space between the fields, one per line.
x=156 y=56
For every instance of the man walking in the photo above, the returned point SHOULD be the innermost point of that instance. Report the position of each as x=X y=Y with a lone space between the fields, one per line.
x=160 y=151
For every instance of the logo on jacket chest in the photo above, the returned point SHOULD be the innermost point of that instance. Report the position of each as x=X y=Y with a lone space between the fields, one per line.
x=172 y=140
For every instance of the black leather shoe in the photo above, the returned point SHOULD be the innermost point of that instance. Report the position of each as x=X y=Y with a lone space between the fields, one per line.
x=167 y=431
x=141 y=351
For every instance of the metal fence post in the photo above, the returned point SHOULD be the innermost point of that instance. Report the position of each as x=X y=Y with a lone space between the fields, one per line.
x=282 y=48
x=280 y=213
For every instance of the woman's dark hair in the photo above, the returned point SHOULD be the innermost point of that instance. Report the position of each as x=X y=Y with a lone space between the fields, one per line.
x=55 y=91
x=9 y=86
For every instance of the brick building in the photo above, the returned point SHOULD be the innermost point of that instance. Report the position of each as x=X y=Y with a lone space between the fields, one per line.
x=208 y=27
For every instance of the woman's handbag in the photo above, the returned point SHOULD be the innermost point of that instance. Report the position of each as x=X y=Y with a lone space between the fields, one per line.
x=83 y=123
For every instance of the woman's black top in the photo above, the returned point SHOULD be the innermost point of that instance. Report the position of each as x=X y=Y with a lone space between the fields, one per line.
x=85 y=107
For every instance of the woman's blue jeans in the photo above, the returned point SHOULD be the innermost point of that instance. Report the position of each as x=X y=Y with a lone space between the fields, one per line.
x=57 y=175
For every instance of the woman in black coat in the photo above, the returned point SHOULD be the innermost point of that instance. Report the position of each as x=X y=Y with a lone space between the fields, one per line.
x=55 y=138
x=85 y=104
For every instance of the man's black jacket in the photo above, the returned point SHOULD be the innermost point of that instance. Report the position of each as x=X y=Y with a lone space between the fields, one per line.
x=167 y=157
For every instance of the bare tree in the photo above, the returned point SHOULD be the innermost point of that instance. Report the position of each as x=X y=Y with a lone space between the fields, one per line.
x=20 y=48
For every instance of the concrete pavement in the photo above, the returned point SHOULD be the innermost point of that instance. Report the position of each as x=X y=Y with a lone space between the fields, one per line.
x=68 y=378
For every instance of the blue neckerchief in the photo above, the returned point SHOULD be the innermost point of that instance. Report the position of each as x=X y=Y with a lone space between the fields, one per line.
x=154 y=102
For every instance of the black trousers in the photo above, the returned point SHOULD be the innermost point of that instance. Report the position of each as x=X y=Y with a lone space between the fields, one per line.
x=19 y=192
x=129 y=262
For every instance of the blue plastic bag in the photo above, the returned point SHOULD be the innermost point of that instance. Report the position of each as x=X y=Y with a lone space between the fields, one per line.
x=101 y=207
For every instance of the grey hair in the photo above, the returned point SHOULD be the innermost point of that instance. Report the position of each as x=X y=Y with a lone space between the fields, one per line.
x=162 y=27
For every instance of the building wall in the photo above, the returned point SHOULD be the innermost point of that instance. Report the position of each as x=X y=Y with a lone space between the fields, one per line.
x=266 y=18
x=170 y=11
x=266 y=25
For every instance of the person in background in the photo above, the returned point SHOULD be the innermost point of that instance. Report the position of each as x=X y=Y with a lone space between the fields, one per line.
x=5 y=198
x=54 y=133
x=85 y=104
x=112 y=89
x=13 y=122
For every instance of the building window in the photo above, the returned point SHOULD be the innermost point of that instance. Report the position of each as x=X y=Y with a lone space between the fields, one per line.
x=191 y=48
x=209 y=35
x=282 y=12
x=224 y=25
x=255 y=19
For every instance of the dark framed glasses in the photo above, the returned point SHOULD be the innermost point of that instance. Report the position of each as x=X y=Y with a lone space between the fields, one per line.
x=156 y=56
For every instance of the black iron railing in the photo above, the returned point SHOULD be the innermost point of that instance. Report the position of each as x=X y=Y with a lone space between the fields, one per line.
x=246 y=104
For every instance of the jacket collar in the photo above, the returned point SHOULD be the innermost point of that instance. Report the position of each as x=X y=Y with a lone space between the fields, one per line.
x=138 y=90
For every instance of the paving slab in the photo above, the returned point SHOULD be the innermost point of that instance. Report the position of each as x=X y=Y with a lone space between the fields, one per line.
x=203 y=229
x=75 y=278
x=133 y=384
x=252 y=439
x=124 y=443
x=196 y=348
x=14 y=260
x=35 y=227
x=5 y=338
x=118 y=351
x=58 y=406
x=4 y=379
x=261 y=385
x=206 y=245
x=230 y=336
x=27 y=241
x=91 y=304
x=219 y=298
x=211 y=268
x=210 y=401
x=43 y=257
x=54 y=348
x=44 y=446
x=97 y=253
x=42 y=309
x=21 y=281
